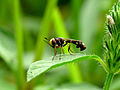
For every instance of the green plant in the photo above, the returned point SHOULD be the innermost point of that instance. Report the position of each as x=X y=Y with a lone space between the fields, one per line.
x=62 y=32
x=19 y=41
x=112 y=45
x=44 y=29
x=23 y=24
x=42 y=66
x=112 y=53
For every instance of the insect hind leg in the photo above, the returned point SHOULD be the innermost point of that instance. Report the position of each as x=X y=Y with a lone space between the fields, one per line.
x=60 y=54
x=69 y=50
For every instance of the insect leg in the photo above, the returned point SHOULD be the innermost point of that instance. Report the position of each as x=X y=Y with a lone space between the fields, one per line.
x=63 y=50
x=65 y=44
x=60 y=54
x=69 y=49
x=55 y=52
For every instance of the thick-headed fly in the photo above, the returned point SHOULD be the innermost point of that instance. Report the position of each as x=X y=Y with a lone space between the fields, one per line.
x=61 y=42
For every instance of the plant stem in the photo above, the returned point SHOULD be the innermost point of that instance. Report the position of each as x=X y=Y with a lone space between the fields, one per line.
x=101 y=62
x=60 y=30
x=76 y=11
x=108 y=81
x=44 y=29
x=19 y=42
x=44 y=32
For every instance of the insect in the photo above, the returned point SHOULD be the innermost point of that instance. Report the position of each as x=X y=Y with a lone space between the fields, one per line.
x=61 y=42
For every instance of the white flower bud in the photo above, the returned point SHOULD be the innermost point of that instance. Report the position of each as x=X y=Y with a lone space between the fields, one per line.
x=110 y=20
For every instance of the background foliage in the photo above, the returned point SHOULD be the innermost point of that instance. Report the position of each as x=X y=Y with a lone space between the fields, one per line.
x=25 y=23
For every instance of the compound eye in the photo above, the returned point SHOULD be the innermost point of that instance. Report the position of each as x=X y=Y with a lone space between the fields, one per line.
x=52 y=42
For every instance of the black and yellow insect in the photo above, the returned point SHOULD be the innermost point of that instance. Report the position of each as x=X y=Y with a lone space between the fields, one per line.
x=61 y=42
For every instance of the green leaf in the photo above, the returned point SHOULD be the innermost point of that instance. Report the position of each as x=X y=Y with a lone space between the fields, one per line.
x=7 y=47
x=28 y=59
x=42 y=66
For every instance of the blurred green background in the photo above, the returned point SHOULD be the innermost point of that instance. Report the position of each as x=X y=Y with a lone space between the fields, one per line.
x=25 y=23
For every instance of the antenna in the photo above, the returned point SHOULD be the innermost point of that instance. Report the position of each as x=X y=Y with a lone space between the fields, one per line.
x=46 y=38
x=47 y=41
